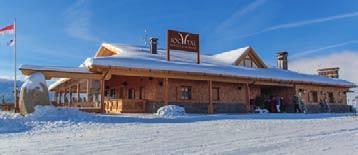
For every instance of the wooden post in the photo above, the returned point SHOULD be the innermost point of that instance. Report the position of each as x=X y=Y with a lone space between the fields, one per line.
x=168 y=50
x=102 y=96
x=248 y=93
x=166 y=87
x=54 y=99
x=78 y=91
x=60 y=98
x=70 y=103
x=65 y=100
x=88 y=91
x=210 y=106
x=198 y=57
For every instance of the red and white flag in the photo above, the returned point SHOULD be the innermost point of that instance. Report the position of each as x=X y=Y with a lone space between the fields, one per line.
x=7 y=29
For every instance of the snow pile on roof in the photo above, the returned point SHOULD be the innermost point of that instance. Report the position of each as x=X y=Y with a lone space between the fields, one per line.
x=58 y=82
x=80 y=69
x=170 y=111
x=175 y=55
x=34 y=82
x=231 y=56
x=141 y=58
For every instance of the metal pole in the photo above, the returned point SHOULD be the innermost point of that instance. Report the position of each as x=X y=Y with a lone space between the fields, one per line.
x=15 y=90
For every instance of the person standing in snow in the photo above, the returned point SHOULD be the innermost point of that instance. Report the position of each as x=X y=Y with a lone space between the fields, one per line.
x=283 y=105
x=322 y=106
x=295 y=101
x=272 y=104
x=278 y=103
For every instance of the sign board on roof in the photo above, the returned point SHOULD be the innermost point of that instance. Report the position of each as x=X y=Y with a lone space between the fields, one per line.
x=182 y=41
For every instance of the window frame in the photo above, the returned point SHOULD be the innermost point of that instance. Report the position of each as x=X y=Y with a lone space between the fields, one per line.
x=331 y=98
x=185 y=93
x=217 y=91
x=131 y=93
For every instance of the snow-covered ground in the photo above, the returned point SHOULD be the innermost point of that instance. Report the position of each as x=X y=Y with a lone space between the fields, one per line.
x=65 y=131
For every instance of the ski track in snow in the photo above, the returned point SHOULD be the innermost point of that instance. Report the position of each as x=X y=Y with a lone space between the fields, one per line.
x=66 y=131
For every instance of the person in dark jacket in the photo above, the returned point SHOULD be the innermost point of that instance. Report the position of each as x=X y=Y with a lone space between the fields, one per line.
x=295 y=101
x=273 y=105
x=283 y=105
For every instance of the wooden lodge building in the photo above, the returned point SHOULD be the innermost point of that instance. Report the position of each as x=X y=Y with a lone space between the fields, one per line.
x=125 y=78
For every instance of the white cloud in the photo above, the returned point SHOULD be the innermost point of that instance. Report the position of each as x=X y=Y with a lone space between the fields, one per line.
x=239 y=13
x=324 y=48
x=6 y=77
x=347 y=61
x=303 y=23
x=312 y=21
x=78 y=21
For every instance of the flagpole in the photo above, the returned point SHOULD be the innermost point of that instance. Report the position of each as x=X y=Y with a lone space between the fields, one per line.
x=15 y=79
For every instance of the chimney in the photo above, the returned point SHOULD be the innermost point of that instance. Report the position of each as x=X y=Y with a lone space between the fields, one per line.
x=282 y=60
x=153 y=45
x=329 y=72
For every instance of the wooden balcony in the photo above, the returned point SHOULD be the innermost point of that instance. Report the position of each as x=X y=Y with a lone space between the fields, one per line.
x=124 y=106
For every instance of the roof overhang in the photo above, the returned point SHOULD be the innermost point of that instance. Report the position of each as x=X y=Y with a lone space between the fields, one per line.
x=60 y=72
x=125 y=71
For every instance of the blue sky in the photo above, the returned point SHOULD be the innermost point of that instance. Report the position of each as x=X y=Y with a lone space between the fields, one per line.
x=64 y=33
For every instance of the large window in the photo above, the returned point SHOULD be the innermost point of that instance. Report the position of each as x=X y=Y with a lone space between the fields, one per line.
x=247 y=62
x=313 y=96
x=131 y=93
x=216 y=93
x=330 y=97
x=141 y=93
x=106 y=91
x=185 y=93
x=112 y=93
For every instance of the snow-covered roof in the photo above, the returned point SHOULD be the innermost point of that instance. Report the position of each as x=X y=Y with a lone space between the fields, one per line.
x=55 y=68
x=57 y=83
x=231 y=56
x=219 y=64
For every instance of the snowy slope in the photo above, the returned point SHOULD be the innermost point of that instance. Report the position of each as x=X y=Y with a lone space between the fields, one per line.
x=68 y=131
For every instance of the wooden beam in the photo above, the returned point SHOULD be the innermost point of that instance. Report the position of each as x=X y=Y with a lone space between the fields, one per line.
x=65 y=100
x=102 y=96
x=198 y=57
x=166 y=89
x=172 y=74
x=78 y=91
x=60 y=98
x=70 y=103
x=88 y=90
x=248 y=97
x=210 y=106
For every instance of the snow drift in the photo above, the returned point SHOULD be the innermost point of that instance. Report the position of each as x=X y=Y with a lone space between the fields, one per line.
x=171 y=111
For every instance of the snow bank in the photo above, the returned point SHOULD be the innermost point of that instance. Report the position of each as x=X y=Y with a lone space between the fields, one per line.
x=171 y=111
x=44 y=117
x=51 y=113
x=261 y=111
x=11 y=122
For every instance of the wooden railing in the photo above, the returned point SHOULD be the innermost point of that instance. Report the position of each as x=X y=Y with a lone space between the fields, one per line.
x=124 y=106
x=76 y=104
